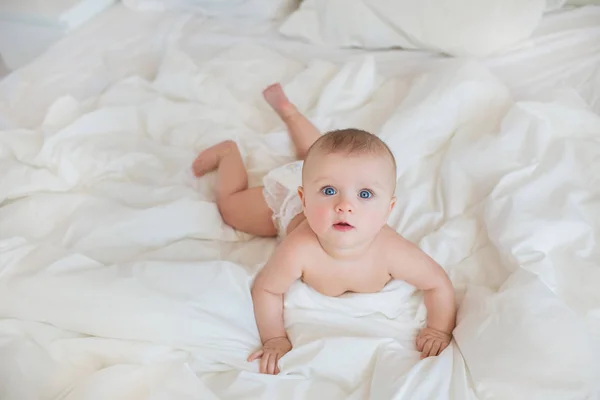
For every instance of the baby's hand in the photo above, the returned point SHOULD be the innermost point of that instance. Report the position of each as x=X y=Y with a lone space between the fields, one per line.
x=431 y=342
x=272 y=350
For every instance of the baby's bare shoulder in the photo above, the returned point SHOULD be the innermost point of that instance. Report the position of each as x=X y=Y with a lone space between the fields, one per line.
x=301 y=242
x=392 y=248
x=407 y=261
x=391 y=242
x=286 y=264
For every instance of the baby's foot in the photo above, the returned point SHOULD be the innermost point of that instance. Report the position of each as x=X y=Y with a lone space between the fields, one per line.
x=209 y=159
x=275 y=96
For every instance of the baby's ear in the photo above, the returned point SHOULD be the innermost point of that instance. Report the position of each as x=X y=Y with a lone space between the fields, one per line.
x=301 y=195
x=392 y=203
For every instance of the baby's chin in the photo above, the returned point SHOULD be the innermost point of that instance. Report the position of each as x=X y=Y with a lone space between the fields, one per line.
x=346 y=237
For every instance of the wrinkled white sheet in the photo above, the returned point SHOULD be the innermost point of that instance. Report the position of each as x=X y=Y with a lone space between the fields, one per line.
x=563 y=51
x=119 y=280
x=250 y=9
x=455 y=27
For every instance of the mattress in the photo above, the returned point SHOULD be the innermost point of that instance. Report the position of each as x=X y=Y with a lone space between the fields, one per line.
x=119 y=279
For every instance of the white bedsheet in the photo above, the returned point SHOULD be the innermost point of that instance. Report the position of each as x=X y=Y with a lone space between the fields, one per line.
x=454 y=27
x=119 y=280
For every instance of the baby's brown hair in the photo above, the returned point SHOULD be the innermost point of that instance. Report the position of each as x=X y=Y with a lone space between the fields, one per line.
x=351 y=142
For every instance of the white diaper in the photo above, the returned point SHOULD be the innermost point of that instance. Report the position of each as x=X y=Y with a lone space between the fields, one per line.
x=281 y=194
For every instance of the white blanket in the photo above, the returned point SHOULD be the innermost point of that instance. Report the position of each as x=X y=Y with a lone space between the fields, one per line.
x=456 y=27
x=119 y=280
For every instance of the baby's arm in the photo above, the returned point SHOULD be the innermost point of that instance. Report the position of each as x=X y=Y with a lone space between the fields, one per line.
x=415 y=267
x=278 y=274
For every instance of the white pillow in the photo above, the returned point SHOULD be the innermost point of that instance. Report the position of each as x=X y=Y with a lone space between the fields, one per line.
x=455 y=27
x=254 y=9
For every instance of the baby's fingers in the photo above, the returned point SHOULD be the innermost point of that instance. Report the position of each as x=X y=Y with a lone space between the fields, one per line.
x=420 y=342
x=256 y=355
x=435 y=348
x=277 y=363
x=264 y=363
x=426 y=349
x=273 y=364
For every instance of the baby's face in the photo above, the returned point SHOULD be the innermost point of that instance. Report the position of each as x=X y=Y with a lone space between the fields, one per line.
x=348 y=199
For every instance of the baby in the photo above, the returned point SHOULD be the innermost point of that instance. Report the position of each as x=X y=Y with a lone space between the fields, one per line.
x=332 y=226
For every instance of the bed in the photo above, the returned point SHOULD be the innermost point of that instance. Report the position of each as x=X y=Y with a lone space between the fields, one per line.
x=119 y=280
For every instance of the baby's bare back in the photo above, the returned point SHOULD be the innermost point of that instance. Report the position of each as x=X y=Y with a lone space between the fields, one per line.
x=368 y=273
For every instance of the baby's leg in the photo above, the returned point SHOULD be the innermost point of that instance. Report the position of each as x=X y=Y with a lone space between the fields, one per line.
x=241 y=208
x=302 y=132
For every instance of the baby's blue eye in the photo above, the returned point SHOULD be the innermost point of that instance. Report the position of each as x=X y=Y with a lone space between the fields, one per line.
x=328 y=191
x=365 y=194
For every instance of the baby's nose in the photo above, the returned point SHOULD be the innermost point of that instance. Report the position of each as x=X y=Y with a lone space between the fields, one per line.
x=344 y=206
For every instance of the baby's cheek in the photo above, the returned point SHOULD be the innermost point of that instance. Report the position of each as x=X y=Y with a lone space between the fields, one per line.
x=320 y=218
x=376 y=218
